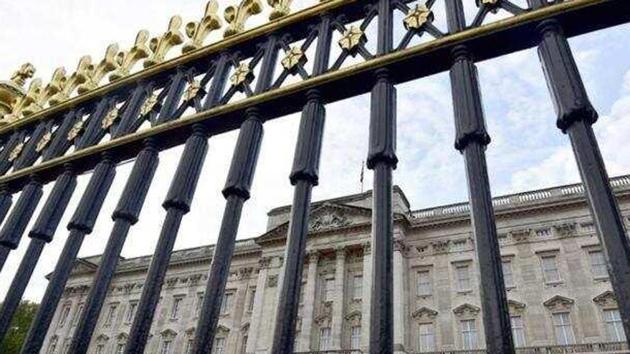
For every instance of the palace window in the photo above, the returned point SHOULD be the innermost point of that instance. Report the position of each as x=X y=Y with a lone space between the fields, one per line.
x=598 y=264
x=226 y=304
x=131 y=311
x=77 y=314
x=563 y=328
x=325 y=339
x=111 y=314
x=508 y=278
x=65 y=311
x=328 y=289
x=355 y=337
x=426 y=337
x=469 y=334
x=518 y=331
x=550 y=269
x=166 y=346
x=52 y=347
x=177 y=301
x=199 y=304
x=100 y=349
x=614 y=326
x=424 y=287
x=120 y=348
x=189 y=346
x=219 y=346
x=250 y=304
x=463 y=278
x=357 y=287
x=244 y=343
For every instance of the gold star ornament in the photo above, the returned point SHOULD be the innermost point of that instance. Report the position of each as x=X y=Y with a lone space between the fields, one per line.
x=352 y=38
x=417 y=17
x=242 y=74
x=43 y=142
x=293 y=57
x=110 y=118
x=76 y=129
x=15 y=153
x=192 y=90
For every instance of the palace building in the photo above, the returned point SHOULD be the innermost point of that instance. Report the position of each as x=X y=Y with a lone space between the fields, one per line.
x=560 y=296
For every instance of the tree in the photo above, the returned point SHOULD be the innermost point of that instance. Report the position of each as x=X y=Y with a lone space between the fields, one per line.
x=19 y=327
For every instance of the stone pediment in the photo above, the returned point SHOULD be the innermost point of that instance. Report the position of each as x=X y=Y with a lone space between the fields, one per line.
x=558 y=303
x=83 y=266
x=424 y=314
x=516 y=307
x=168 y=333
x=326 y=217
x=606 y=299
x=466 y=310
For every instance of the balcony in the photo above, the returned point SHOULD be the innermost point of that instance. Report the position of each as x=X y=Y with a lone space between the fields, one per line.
x=613 y=348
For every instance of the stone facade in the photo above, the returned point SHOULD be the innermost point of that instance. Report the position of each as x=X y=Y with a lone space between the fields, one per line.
x=558 y=287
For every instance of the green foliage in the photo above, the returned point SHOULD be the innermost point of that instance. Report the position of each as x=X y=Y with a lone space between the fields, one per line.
x=19 y=327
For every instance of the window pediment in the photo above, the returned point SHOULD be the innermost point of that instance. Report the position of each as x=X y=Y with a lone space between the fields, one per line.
x=606 y=299
x=424 y=314
x=516 y=307
x=466 y=310
x=558 y=303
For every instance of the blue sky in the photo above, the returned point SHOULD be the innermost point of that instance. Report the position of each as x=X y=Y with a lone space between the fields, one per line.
x=527 y=151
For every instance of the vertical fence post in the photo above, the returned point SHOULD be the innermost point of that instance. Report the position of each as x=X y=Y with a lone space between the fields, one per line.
x=575 y=116
x=42 y=232
x=13 y=228
x=125 y=215
x=236 y=192
x=304 y=175
x=84 y=218
x=471 y=140
x=82 y=223
x=177 y=203
x=382 y=160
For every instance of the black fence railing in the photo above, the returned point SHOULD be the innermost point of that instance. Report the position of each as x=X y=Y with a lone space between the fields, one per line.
x=238 y=84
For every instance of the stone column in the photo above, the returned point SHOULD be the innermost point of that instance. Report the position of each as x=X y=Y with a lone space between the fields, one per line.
x=304 y=344
x=367 y=295
x=254 y=327
x=337 y=315
x=399 y=297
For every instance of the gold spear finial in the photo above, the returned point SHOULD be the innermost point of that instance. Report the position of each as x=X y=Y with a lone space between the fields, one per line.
x=161 y=45
x=40 y=97
x=97 y=74
x=198 y=31
x=12 y=91
x=237 y=16
x=26 y=71
x=280 y=8
x=80 y=76
x=127 y=59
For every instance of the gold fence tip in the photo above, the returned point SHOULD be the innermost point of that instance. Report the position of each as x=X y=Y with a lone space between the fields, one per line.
x=198 y=31
x=237 y=16
x=161 y=45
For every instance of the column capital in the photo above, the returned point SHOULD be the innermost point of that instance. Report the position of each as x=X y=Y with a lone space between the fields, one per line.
x=400 y=246
x=264 y=262
x=340 y=252
x=367 y=248
x=312 y=256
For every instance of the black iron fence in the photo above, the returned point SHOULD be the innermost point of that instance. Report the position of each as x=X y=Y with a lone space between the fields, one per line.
x=52 y=135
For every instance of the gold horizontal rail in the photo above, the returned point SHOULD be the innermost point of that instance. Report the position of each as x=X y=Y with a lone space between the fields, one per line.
x=124 y=144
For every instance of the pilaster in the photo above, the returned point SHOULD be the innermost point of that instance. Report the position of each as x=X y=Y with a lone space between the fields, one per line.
x=255 y=328
x=338 y=315
x=367 y=296
x=304 y=344
x=399 y=297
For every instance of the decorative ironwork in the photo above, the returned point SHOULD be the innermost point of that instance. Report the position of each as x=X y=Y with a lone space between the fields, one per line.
x=55 y=131
x=198 y=31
